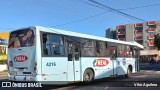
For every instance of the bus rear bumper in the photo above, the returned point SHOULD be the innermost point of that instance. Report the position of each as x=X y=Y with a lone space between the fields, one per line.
x=24 y=78
x=37 y=78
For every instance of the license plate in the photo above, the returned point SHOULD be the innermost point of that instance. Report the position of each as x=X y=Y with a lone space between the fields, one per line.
x=21 y=69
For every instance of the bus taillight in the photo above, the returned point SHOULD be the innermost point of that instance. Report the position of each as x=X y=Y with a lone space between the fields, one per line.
x=35 y=66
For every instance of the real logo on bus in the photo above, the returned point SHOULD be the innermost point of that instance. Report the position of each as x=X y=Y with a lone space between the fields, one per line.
x=21 y=58
x=100 y=62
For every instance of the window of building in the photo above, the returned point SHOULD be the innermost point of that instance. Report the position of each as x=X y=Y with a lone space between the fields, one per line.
x=151 y=40
x=121 y=36
x=152 y=33
x=152 y=26
x=53 y=45
x=138 y=28
x=140 y=41
x=152 y=47
x=114 y=35
x=121 y=30
x=138 y=35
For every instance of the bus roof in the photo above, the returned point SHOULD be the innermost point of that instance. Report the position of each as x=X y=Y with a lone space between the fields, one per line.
x=75 y=34
x=70 y=33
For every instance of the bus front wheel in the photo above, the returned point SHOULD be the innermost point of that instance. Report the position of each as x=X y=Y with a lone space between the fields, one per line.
x=88 y=76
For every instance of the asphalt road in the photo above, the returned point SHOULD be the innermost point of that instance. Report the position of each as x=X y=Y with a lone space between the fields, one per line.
x=148 y=78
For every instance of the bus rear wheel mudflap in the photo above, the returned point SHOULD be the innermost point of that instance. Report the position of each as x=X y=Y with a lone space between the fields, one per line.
x=88 y=76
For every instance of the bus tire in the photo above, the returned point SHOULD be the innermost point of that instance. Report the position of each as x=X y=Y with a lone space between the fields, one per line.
x=88 y=76
x=129 y=71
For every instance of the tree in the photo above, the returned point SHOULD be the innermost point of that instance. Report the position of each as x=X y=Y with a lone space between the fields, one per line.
x=157 y=41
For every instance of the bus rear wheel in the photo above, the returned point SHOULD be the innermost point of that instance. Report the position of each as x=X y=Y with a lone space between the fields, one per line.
x=128 y=72
x=88 y=76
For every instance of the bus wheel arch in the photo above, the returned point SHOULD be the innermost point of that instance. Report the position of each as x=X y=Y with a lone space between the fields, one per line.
x=88 y=75
x=129 y=71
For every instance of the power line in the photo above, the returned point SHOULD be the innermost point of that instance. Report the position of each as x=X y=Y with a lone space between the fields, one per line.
x=91 y=4
x=52 y=6
x=48 y=4
x=137 y=7
x=89 y=17
x=81 y=19
x=116 y=11
x=140 y=7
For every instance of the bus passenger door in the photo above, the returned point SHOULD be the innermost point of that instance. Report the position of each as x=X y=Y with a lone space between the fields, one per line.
x=73 y=61
x=113 y=56
x=137 y=58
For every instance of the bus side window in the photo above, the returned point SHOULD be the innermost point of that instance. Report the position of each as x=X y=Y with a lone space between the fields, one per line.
x=45 y=50
x=77 y=52
x=53 y=45
x=88 y=48
x=70 y=52
x=113 y=54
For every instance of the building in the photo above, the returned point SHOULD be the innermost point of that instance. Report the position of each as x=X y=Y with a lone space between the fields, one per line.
x=4 y=35
x=111 y=33
x=143 y=33
x=3 y=50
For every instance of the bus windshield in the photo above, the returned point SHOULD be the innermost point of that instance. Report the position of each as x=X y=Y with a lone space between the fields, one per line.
x=22 y=38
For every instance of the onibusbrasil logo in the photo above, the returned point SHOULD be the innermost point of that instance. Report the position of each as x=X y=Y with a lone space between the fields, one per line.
x=19 y=84
x=100 y=62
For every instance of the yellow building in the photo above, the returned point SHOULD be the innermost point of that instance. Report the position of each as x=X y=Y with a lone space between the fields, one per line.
x=3 y=47
x=4 y=35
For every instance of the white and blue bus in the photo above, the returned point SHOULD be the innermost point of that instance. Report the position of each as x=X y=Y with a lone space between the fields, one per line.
x=59 y=57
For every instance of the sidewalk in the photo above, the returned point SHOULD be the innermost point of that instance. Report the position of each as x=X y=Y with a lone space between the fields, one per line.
x=148 y=66
x=143 y=64
x=2 y=73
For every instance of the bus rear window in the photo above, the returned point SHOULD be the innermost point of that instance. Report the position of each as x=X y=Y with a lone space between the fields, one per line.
x=22 y=38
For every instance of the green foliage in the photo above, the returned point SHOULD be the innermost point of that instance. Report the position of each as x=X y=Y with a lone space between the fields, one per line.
x=3 y=62
x=157 y=41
